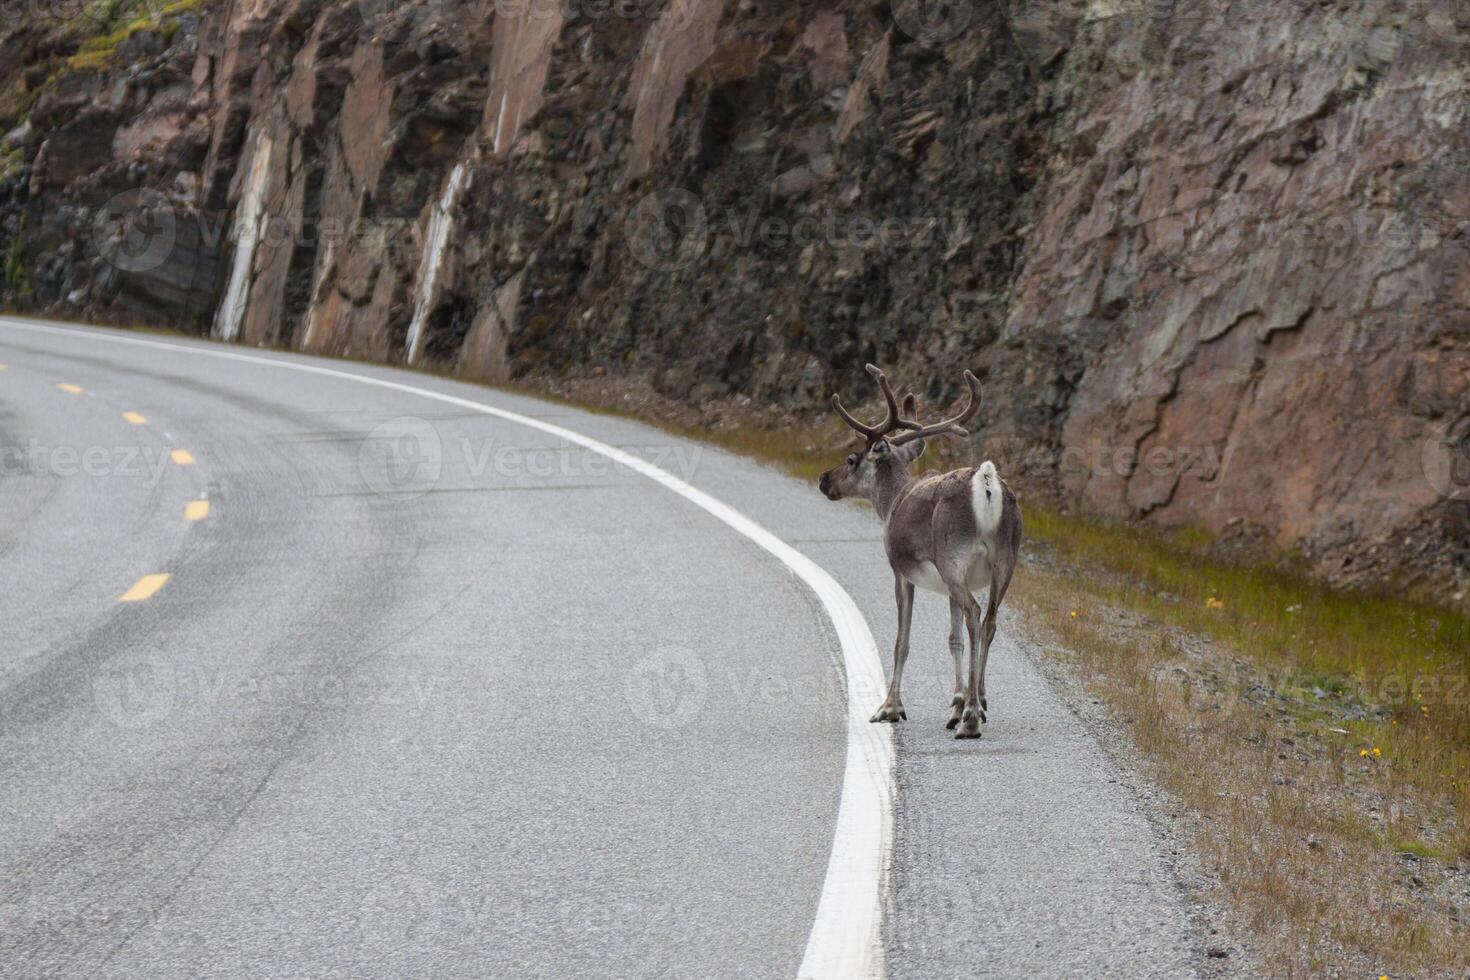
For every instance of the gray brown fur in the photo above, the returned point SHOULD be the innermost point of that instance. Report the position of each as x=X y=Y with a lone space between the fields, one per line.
x=941 y=532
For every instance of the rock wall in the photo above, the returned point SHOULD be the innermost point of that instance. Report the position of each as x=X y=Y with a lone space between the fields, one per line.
x=1252 y=240
x=1209 y=256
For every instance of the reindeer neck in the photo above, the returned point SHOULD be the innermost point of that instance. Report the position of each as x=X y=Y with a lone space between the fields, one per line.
x=891 y=486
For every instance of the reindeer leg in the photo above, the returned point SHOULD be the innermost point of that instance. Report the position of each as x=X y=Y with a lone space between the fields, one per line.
x=957 y=651
x=892 y=707
x=959 y=591
x=1000 y=581
x=987 y=633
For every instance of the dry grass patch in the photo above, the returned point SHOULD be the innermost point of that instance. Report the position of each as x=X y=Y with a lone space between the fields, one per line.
x=1331 y=862
x=1399 y=668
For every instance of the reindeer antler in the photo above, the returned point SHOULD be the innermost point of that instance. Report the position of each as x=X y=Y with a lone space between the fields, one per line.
x=910 y=414
x=893 y=421
x=950 y=426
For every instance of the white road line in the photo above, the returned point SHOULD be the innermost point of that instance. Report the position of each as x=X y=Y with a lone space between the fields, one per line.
x=846 y=940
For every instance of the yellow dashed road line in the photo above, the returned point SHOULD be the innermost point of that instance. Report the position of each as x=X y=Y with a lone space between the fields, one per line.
x=134 y=418
x=182 y=456
x=146 y=588
x=70 y=389
x=196 y=510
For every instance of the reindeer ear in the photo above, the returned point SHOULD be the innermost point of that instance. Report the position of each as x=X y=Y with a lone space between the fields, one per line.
x=912 y=450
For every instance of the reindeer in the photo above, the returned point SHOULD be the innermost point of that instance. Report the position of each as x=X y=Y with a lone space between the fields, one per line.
x=951 y=533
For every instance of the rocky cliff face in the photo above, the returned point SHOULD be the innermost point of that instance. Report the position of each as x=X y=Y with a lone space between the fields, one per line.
x=1209 y=256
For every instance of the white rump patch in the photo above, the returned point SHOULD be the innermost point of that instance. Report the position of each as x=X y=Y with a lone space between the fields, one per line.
x=987 y=497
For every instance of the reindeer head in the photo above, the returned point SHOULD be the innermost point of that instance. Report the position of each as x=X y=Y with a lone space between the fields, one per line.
x=884 y=456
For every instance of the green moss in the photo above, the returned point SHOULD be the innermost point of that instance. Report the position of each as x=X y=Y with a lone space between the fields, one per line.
x=96 y=52
x=1419 y=848
x=180 y=7
x=106 y=13
x=11 y=161
x=89 y=61
x=16 y=100
x=111 y=22
x=17 y=283
x=1399 y=842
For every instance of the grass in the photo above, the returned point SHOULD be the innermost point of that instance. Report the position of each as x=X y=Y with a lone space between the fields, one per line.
x=1404 y=661
x=1276 y=612
x=1418 y=848
x=1321 y=737
x=1305 y=828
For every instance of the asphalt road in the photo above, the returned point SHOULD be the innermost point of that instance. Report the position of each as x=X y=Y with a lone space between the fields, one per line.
x=430 y=692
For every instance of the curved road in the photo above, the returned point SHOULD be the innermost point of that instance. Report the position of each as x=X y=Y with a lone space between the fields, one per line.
x=303 y=676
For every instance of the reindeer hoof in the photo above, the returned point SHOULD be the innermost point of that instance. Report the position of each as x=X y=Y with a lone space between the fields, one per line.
x=891 y=713
x=969 y=725
x=956 y=710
